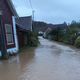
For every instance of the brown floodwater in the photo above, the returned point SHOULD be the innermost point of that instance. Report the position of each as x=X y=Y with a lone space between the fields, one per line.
x=49 y=61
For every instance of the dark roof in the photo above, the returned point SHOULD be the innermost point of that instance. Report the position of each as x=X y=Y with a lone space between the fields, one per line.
x=12 y=7
x=24 y=22
x=60 y=26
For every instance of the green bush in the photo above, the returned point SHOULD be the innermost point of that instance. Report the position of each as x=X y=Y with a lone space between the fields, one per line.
x=33 y=39
x=77 y=42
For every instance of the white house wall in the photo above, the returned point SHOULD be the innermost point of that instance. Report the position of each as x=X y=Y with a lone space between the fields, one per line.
x=15 y=49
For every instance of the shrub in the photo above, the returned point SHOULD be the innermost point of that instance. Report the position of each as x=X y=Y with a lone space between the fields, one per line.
x=71 y=39
x=77 y=42
x=33 y=39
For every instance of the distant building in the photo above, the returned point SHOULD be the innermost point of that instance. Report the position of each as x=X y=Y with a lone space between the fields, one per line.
x=24 y=26
x=51 y=27
x=59 y=26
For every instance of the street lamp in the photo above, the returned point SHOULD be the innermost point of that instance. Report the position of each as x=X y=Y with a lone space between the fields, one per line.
x=2 y=39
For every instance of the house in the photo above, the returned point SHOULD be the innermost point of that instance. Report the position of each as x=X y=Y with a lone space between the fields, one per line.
x=23 y=26
x=8 y=37
x=54 y=28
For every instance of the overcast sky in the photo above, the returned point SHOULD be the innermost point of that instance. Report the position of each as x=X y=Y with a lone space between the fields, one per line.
x=51 y=11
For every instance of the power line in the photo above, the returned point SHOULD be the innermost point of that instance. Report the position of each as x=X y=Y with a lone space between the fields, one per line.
x=31 y=4
x=33 y=11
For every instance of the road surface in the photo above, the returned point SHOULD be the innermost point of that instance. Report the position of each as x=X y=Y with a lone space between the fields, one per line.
x=49 y=61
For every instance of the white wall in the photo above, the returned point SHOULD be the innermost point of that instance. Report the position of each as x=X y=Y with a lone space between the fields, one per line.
x=16 y=48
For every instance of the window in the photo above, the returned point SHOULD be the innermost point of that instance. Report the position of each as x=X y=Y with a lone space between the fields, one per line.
x=9 y=34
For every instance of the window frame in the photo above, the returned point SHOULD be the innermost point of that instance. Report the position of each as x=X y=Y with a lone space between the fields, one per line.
x=7 y=34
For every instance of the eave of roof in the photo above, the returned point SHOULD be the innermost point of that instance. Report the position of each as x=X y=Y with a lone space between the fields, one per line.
x=13 y=10
x=21 y=29
x=24 y=22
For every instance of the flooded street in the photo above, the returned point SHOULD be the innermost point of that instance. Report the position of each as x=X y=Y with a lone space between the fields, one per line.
x=49 y=61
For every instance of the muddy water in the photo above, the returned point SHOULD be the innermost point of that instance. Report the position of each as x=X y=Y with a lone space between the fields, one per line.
x=50 y=61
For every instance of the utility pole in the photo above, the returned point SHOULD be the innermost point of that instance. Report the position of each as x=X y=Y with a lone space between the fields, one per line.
x=33 y=11
x=2 y=39
x=33 y=14
x=33 y=19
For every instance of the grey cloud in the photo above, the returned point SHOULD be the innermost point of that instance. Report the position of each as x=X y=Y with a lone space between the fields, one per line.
x=53 y=11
